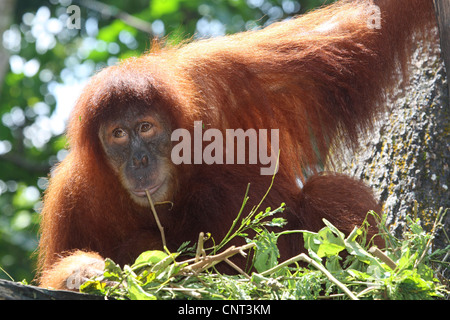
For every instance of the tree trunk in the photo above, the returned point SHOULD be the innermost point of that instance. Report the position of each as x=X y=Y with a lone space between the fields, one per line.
x=406 y=158
x=443 y=17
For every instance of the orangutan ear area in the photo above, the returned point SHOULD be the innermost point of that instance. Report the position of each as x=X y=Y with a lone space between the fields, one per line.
x=164 y=147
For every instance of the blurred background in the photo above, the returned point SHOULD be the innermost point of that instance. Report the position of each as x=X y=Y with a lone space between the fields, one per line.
x=48 y=50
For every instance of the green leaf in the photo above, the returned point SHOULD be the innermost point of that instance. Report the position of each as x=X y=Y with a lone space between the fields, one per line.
x=164 y=263
x=267 y=253
x=136 y=292
x=326 y=243
x=111 y=32
x=277 y=222
x=333 y=229
x=311 y=241
x=358 y=275
x=113 y=272
x=93 y=287
x=168 y=272
x=331 y=245
x=164 y=7
x=333 y=264
x=151 y=258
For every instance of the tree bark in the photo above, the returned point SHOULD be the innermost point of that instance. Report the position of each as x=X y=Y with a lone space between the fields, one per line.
x=443 y=18
x=405 y=159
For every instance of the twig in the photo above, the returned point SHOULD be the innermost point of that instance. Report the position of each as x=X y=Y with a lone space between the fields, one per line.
x=331 y=296
x=127 y=18
x=209 y=261
x=227 y=236
x=443 y=261
x=380 y=255
x=160 y=227
x=437 y=223
x=235 y=267
x=200 y=250
x=230 y=233
x=367 y=290
x=163 y=203
x=305 y=258
x=9 y=276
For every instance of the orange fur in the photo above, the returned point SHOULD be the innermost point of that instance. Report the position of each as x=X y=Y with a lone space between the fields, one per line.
x=320 y=79
x=72 y=271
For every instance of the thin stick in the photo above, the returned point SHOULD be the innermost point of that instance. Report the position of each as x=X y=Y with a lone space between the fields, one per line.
x=380 y=255
x=164 y=202
x=226 y=238
x=200 y=250
x=209 y=261
x=436 y=224
x=160 y=227
x=235 y=267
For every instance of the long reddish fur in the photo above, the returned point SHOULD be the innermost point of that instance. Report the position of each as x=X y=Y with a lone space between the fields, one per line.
x=320 y=79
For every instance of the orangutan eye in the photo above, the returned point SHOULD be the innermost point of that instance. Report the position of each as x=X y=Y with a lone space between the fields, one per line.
x=145 y=126
x=119 y=133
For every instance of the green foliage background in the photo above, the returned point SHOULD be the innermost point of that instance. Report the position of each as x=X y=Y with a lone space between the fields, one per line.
x=45 y=56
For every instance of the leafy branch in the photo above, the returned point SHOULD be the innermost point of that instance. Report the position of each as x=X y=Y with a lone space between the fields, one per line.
x=401 y=271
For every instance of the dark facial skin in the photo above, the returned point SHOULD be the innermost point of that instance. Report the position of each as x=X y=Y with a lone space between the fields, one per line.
x=137 y=145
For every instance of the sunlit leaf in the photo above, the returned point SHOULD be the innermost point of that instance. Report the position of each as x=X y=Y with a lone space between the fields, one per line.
x=151 y=257
x=267 y=253
x=164 y=7
x=136 y=292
